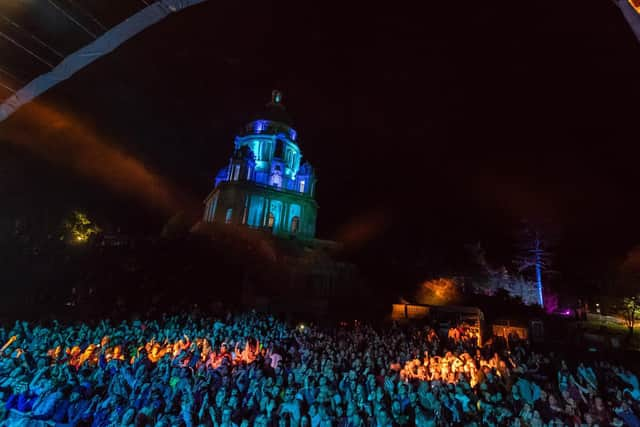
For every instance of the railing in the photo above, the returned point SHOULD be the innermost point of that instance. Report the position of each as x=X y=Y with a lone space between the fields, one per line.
x=268 y=187
x=269 y=127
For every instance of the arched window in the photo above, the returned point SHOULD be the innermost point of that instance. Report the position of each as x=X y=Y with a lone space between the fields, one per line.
x=295 y=224
x=256 y=147
x=227 y=218
x=279 y=152
x=276 y=177
x=276 y=180
x=271 y=220
x=265 y=148
x=302 y=186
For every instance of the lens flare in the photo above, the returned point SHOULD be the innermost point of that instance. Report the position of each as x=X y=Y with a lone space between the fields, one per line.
x=65 y=140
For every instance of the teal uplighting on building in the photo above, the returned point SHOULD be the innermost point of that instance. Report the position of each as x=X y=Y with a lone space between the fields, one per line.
x=266 y=185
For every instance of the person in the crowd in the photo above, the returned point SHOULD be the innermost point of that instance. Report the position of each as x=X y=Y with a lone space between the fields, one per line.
x=252 y=369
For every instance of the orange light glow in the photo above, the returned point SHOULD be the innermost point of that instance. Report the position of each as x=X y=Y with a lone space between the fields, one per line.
x=67 y=141
x=362 y=229
x=438 y=292
x=77 y=357
x=635 y=4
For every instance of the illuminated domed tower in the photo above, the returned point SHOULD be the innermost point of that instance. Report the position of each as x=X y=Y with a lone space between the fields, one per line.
x=265 y=186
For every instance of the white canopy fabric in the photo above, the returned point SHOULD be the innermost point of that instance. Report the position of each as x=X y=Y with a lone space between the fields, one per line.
x=102 y=46
x=631 y=11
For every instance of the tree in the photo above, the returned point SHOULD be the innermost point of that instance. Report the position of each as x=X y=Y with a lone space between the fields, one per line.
x=630 y=310
x=533 y=256
x=79 y=228
x=490 y=279
x=500 y=280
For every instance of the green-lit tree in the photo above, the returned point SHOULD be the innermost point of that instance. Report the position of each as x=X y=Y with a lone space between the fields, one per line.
x=627 y=287
x=630 y=311
x=79 y=228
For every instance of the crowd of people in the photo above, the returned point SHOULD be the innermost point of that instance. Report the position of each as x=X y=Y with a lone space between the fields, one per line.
x=252 y=369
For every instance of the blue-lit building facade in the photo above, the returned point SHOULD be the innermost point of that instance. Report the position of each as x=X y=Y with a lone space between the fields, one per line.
x=266 y=185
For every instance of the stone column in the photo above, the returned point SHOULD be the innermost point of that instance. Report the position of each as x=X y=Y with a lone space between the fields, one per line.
x=245 y=210
x=265 y=214
x=285 y=217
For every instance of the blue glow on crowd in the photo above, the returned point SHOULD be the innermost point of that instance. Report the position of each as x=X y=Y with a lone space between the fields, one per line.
x=251 y=369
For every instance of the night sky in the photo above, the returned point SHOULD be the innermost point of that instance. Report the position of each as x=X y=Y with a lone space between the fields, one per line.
x=434 y=127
